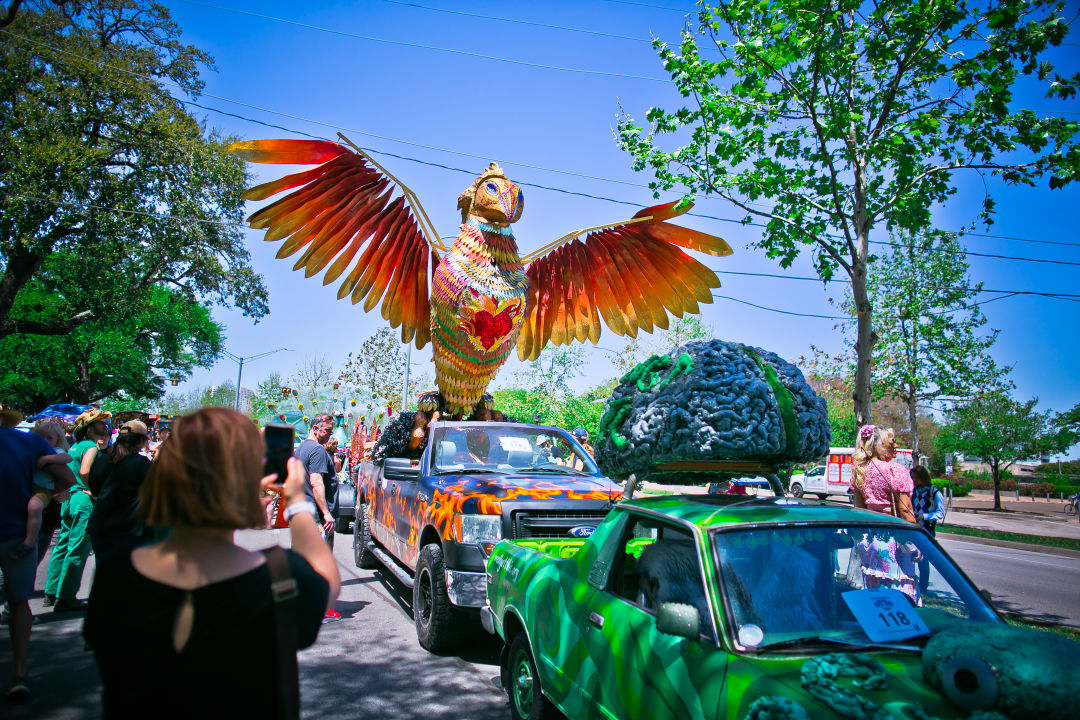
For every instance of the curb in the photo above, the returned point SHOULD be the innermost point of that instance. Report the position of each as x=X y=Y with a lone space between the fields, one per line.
x=1044 y=549
x=1012 y=514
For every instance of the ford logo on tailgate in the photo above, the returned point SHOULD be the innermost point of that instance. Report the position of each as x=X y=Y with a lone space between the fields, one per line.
x=581 y=531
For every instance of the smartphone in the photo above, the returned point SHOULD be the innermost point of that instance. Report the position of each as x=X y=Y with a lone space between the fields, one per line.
x=279 y=448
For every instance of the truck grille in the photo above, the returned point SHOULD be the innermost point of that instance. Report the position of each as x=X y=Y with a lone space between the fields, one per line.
x=553 y=523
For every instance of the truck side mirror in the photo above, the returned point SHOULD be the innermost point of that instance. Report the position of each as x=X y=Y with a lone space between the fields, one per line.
x=400 y=469
x=678 y=619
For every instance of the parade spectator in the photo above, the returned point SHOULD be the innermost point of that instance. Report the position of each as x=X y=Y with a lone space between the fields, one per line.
x=73 y=544
x=926 y=500
x=196 y=625
x=321 y=487
x=22 y=454
x=113 y=523
x=878 y=483
x=43 y=488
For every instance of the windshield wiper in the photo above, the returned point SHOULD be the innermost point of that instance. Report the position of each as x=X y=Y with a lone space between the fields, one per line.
x=561 y=469
x=473 y=471
x=818 y=641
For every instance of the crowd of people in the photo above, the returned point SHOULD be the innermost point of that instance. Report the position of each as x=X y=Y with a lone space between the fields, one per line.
x=159 y=512
x=172 y=596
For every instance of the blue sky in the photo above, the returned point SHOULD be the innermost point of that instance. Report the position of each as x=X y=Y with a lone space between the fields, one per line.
x=552 y=127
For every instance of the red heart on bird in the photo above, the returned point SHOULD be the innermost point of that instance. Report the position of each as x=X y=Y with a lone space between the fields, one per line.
x=491 y=328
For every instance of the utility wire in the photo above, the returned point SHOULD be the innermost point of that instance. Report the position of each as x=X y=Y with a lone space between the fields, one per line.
x=514 y=21
x=780 y=276
x=485 y=158
x=421 y=46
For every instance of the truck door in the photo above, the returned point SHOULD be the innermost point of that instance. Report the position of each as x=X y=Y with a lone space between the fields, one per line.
x=631 y=669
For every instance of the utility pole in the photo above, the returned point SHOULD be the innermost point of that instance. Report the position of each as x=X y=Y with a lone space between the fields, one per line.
x=405 y=390
x=240 y=372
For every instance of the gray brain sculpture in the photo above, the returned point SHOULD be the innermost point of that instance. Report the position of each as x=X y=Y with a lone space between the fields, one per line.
x=708 y=401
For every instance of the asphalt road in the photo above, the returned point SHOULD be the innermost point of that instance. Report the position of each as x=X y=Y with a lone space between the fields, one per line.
x=369 y=665
x=1038 y=585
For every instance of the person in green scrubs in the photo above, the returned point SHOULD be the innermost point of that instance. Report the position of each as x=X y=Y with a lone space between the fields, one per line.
x=73 y=544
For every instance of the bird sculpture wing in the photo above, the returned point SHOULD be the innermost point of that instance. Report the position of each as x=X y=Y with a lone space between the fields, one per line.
x=630 y=274
x=342 y=205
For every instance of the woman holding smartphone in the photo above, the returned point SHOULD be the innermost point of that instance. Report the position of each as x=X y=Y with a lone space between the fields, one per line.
x=190 y=626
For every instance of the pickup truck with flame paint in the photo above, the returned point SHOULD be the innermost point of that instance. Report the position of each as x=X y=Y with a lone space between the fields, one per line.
x=726 y=606
x=433 y=522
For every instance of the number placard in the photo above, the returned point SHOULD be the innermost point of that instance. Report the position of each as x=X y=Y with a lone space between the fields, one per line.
x=884 y=614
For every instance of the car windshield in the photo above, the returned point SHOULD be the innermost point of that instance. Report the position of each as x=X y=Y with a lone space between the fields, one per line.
x=505 y=449
x=800 y=586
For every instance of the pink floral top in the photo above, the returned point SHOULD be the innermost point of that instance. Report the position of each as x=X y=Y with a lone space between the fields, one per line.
x=881 y=477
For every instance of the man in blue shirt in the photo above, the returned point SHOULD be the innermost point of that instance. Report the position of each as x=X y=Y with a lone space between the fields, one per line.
x=21 y=453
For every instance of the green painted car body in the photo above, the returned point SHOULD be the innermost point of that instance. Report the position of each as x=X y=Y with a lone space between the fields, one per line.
x=590 y=610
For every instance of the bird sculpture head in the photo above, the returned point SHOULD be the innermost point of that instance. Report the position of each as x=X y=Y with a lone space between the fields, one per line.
x=492 y=197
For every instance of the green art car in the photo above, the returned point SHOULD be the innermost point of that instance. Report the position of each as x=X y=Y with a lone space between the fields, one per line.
x=714 y=606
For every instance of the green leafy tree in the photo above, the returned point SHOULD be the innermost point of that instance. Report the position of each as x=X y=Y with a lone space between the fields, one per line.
x=679 y=331
x=929 y=344
x=552 y=372
x=827 y=119
x=267 y=392
x=378 y=367
x=1001 y=431
x=122 y=355
x=109 y=188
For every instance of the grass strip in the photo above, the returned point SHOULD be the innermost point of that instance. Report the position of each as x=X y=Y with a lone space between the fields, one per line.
x=1067 y=543
x=1063 y=630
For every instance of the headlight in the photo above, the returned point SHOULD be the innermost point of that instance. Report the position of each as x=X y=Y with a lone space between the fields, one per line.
x=486 y=529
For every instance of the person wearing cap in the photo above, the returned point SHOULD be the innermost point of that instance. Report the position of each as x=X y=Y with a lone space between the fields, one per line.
x=582 y=436
x=73 y=543
x=543 y=450
x=113 y=524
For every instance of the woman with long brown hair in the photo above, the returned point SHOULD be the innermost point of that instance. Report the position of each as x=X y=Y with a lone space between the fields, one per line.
x=878 y=483
x=197 y=626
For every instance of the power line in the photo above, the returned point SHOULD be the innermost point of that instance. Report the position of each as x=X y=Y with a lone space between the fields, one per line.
x=515 y=21
x=782 y=312
x=421 y=46
x=486 y=158
x=779 y=276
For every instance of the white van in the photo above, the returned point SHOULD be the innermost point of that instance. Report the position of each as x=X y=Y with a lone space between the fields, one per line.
x=834 y=477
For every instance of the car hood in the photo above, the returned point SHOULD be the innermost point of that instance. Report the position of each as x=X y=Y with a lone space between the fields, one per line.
x=491 y=490
x=1018 y=672
x=821 y=687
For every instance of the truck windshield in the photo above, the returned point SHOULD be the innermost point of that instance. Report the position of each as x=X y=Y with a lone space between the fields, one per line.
x=792 y=587
x=506 y=448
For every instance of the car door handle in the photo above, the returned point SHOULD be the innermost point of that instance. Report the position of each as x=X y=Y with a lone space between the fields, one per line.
x=596 y=619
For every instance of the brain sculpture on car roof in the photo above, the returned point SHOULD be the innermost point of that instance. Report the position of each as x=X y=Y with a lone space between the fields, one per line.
x=711 y=402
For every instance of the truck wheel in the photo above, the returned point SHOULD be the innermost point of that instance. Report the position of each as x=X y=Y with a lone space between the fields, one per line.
x=823 y=496
x=438 y=623
x=341 y=525
x=527 y=702
x=362 y=556
x=796 y=490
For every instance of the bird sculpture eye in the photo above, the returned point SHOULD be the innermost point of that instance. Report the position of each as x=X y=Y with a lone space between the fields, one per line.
x=490 y=187
x=521 y=200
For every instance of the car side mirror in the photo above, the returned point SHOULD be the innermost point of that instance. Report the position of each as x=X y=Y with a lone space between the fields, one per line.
x=678 y=619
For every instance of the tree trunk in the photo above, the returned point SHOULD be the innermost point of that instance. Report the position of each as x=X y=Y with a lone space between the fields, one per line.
x=913 y=419
x=864 y=343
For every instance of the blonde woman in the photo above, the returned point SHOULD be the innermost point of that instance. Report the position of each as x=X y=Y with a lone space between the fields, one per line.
x=878 y=483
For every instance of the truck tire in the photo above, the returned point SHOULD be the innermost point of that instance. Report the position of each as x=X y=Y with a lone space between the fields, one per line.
x=341 y=525
x=362 y=556
x=823 y=496
x=527 y=701
x=438 y=623
x=796 y=490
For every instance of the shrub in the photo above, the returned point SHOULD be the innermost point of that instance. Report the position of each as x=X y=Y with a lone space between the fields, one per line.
x=959 y=488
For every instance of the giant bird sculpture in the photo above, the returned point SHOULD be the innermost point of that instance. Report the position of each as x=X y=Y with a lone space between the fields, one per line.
x=484 y=296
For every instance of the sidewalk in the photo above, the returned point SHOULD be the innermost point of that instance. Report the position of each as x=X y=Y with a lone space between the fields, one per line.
x=1031 y=517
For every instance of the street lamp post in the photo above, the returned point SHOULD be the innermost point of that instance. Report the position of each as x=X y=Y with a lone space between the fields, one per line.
x=240 y=372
